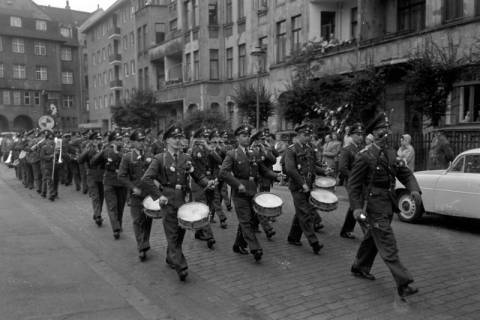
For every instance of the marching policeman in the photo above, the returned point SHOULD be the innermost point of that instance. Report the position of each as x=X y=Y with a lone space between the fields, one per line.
x=73 y=151
x=94 y=174
x=49 y=155
x=374 y=171
x=347 y=157
x=83 y=166
x=132 y=168
x=170 y=170
x=34 y=158
x=242 y=169
x=301 y=167
x=114 y=190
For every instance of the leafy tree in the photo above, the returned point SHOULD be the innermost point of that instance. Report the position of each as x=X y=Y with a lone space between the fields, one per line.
x=208 y=118
x=141 y=111
x=246 y=100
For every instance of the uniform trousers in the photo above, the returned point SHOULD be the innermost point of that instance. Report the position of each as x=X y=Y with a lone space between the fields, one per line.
x=245 y=215
x=303 y=219
x=115 y=198
x=379 y=238
x=349 y=223
x=27 y=175
x=49 y=184
x=225 y=196
x=214 y=202
x=83 y=177
x=75 y=172
x=206 y=232
x=37 y=176
x=142 y=224
x=95 y=191
x=174 y=234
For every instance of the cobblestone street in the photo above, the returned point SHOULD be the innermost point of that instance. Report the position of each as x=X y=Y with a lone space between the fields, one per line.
x=289 y=283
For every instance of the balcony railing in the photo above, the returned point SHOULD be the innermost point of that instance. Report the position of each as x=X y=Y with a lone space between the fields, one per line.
x=116 y=84
x=114 y=33
x=115 y=58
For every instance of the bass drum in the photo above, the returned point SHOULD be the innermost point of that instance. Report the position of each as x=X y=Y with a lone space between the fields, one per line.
x=193 y=216
x=324 y=200
x=152 y=208
x=267 y=204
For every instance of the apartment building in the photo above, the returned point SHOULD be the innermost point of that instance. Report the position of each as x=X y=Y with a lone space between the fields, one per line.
x=39 y=58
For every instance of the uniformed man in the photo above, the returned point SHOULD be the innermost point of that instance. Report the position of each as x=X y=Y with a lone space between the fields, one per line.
x=27 y=166
x=94 y=174
x=372 y=197
x=34 y=158
x=206 y=161
x=132 y=168
x=171 y=170
x=242 y=169
x=72 y=153
x=50 y=156
x=347 y=157
x=66 y=176
x=83 y=166
x=301 y=167
x=224 y=147
x=114 y=190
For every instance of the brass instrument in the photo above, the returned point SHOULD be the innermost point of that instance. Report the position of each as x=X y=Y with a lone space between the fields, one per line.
x=36 y=145
x=58 y=145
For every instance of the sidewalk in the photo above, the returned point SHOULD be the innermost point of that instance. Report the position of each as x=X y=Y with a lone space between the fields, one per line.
x=46 y=274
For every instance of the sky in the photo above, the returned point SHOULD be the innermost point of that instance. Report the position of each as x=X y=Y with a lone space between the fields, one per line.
x=81 y=5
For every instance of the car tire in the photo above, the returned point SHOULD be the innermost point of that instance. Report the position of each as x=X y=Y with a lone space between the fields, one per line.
x=411 y=209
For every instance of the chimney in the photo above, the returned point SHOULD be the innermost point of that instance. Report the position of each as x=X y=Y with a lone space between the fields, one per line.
x=67 y=5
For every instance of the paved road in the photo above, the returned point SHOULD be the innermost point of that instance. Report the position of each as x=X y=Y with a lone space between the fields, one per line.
x=56 y=264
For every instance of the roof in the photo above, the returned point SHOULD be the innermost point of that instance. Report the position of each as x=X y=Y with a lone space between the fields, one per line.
x=91 y=19
x=66 y=16
x=22 y=8
x=106 y=13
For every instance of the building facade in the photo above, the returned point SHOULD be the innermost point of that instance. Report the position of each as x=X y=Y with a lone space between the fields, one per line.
x=195 y=54
x=39 y=59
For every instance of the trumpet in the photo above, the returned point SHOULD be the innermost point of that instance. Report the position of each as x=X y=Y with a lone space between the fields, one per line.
x=35 y=146
x=58 y=145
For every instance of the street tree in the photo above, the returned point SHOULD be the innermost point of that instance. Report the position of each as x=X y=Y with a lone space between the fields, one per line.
x=246 y=99
x=140 y=111
x=208 y=118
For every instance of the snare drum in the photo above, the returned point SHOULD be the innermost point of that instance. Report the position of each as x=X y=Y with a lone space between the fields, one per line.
x=267 y=204
x=326 y=183
x=324 y=200
x=152 y=208
x=193 y=215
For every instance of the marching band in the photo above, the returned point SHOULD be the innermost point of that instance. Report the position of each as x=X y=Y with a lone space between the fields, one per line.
x=185 y=184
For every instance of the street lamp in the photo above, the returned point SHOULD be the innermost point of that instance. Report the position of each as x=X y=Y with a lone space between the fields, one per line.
x=258 y=52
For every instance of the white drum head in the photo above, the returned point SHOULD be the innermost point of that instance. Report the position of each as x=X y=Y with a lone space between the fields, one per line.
x=193 y=211
x=149 y=204
x=325 y=182
x=324 y=196
x=268 y=200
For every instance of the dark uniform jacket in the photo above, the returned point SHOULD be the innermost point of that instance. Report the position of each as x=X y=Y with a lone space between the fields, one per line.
x=33 y=155
x=239 y=168
x=347 y=157
x=111 y=162
x=378 y=169
x=158 y=147
x=132 y=168
x=206 y=162
x=301 y=165
x=47 y=150
x=172 y=176
x=94 y=172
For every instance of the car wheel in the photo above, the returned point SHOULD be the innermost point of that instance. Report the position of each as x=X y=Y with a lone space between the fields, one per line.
x=410 y=209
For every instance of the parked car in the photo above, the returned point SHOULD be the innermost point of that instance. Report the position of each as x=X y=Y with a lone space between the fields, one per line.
x=452 y=192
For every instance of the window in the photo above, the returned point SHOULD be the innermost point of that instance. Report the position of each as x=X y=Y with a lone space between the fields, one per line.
x=159 y=32
x=125 y=42
x=6 y=97
x=140 y=79
x=472 y=163
x=66 y=54
x=26 y=98
x=281 y=41
x=18 y=45
x=196 y=13
x=105 y=98
x=19 y=71
x=411 y=15
x=196 y=65
x=40 y=48
x=228 y=11
x=2 y=71
x=214 y=64
x=94 y=62
x=458 y=165
x=147 y=78
x=139 y=39
x=453 y=9
x=132 y=39
x=41 y=73
x=173 y=25
x=354 y=23
x=296 y=33
x=242 y=60
x=94 y=81
x=104 y=54
x=36 y=98
x=41 y=25
x=263 y=43
x=16 y=22
x=67 y=102
x=66 y=32
x=188 y=67
x=241 y=9
x=125 y=69
x=67 y=77
x=229 y=64
x=327 y=27
x=1 y=44
x=17 y=98
x=132 y=66
x=212 y=14
x=477 y=8
x=144 y=37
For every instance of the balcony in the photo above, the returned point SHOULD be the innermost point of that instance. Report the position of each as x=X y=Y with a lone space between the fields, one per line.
x=174 y=74
x=167 y=48
x=114 y=33
x=115 y=58
x=116 y=84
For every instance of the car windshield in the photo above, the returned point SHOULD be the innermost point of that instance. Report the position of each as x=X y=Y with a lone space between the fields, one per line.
x=458 y=165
